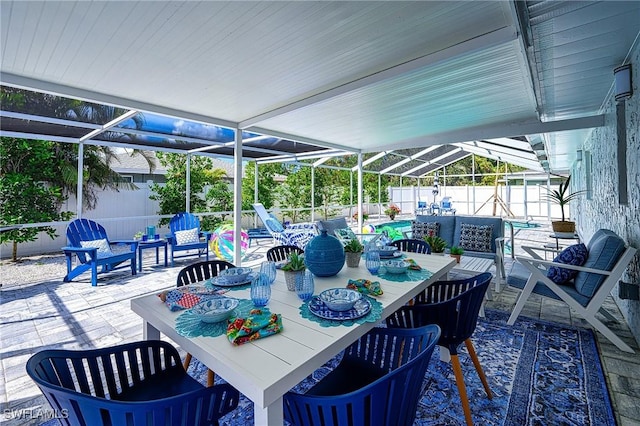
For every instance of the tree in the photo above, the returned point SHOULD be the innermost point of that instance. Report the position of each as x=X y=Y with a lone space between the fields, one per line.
x=97 y=173
x=266 y=184
x=26 y=192
x=207 y=185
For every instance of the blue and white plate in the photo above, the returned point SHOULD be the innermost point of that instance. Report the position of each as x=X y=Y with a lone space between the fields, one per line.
x=360 y=309
x=220 y=281
x=197 y=289
x=392 y=255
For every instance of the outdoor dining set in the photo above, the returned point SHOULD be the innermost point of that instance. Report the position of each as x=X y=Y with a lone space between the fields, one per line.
x=263 y=335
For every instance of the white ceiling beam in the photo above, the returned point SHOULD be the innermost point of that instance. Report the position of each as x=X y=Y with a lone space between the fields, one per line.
x=432 y=161
x=502 y=130
x=410 y=158
x=371 y=160
x=302 y=139
x=108 y=125
x=504 y=157
x=91 y=96
x=494 y=38
x=529 y=155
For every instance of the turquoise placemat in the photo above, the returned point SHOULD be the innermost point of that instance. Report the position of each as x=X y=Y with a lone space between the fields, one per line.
x=410 y=275
x=188 y=325
x=373 y=316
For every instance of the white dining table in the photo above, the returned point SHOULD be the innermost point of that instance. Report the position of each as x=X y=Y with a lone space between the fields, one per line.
x=265 y=369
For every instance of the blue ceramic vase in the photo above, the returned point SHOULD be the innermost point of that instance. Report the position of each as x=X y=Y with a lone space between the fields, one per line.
x=324 y=255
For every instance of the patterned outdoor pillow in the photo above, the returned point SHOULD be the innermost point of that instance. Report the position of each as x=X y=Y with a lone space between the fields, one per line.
x=476 y=237
x=102 y=245
x=345 y=234
x=274 y=224
x=575 y=255
x=187 y=237
x=420 y=230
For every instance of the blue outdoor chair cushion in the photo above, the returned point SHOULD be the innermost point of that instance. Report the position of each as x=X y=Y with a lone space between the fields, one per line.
x=274 y=224
x=573 y=255
x=420 y=230
x=332 y=225
x=605 y=249
x=476 y=237
x=518 y=278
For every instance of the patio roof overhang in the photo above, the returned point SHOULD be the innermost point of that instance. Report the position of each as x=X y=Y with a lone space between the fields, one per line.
x=303 y=79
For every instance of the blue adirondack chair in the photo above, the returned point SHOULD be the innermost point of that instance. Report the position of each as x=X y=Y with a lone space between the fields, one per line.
x=180 y=227
x=88 y=241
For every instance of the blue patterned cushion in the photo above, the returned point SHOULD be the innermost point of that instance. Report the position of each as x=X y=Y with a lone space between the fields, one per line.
x=419 y=230
x=575 y=255
x=345 y=234
x=274 y=224
x=476 y=237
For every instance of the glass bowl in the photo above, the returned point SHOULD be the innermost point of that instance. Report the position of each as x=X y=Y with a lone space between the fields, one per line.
x=215 y=310
x=235 y=275
x=339 y=299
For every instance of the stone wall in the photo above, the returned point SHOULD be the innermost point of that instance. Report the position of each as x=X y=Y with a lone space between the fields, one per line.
x=603 y=209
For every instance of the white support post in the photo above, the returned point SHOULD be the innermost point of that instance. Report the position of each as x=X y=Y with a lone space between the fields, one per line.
x=237 y=199
x=359 y=192
x=255 y=194
x=187 y=192
x=80 y=180
x=313 y=193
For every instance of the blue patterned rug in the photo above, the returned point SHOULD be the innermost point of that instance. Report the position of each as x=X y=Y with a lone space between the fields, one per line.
x=540 y=373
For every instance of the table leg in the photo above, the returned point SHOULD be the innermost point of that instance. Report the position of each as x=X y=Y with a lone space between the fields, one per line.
x=139 y=259
x=165 y=255
x=157 y=254
x=271 y=415
x=149 y=332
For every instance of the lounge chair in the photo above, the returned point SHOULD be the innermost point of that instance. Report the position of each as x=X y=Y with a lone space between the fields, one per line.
x=606 y=261
x=298 y=234
x=88 y=241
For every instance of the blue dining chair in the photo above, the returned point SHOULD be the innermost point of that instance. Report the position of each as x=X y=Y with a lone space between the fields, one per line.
x=134 y=384
x=412 y=245
x=378 y=382
x=454 y=306
x=195 y=273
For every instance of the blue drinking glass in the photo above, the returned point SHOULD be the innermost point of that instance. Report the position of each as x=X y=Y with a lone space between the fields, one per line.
x=260 y=291
x=305 y=286
x=373 y=262
x=268 y=271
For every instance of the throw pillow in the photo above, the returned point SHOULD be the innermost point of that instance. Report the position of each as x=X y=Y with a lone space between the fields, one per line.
x=187 y=237
x=476 y=237
x=575 y=255
x=274 y=224
x=345 y=234
x=102 y=245
x=419 y=230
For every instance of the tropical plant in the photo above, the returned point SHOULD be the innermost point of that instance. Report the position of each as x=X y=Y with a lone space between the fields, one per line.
x=455 y=250
x=436 y=243
x=354 y=246
x=26 y=193
x=208 y=190
x=295 y=262
x=561 y=196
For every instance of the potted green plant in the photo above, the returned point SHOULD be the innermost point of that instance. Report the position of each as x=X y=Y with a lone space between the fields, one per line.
x=353 y=252
x=392 y=211
x=563 y=197
x=365 y=216
x=293 y=267
x=436 y=243
x=456 y=252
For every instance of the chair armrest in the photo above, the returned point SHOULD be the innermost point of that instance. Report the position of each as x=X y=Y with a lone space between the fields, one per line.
x=531 y=251
x=538 y=262
x=79 y=249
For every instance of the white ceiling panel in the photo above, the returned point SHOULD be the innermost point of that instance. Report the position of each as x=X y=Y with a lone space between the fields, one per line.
x=362 y=75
